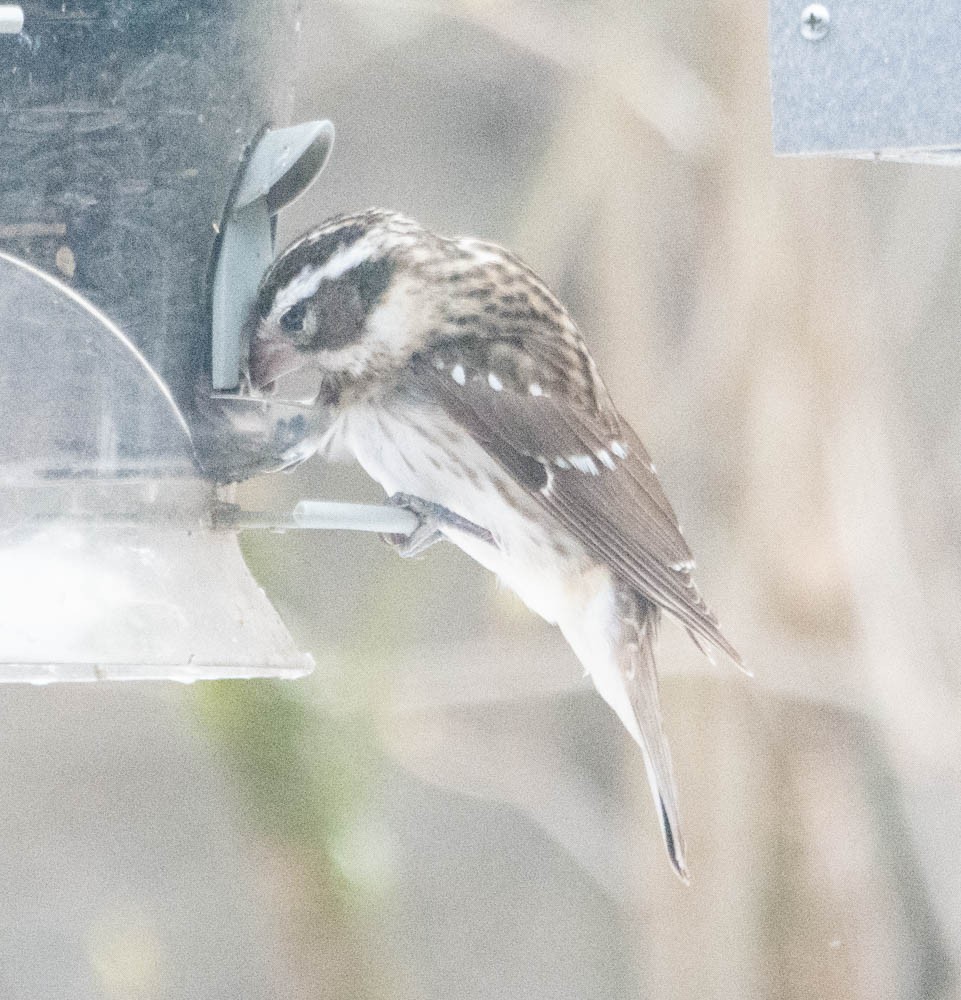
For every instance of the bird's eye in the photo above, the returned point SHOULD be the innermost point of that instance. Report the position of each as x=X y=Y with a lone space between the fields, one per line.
x=292 y=321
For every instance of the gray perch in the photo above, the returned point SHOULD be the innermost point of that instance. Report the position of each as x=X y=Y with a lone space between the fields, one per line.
x=326 y=514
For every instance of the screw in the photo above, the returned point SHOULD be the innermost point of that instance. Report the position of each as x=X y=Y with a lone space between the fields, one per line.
x=815 y=20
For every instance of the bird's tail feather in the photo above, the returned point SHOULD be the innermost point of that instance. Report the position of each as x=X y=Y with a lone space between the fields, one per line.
x=640 y=619
x=615 y=642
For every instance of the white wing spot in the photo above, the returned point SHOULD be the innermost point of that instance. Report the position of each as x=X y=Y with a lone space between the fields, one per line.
x=458 y=374
x=619 y=449
x=604 y=457
x=494 y=382
x=546 y=488
x=685 y=566
x=439 y=364
x=562 y=463
x=535 y=389
x=584 y=463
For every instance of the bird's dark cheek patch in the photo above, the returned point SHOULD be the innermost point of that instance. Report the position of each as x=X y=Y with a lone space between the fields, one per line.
x=342 y=307
x=340 y=316
x=372 y=278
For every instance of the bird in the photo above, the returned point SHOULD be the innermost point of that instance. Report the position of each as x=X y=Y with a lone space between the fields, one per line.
x=458 y=381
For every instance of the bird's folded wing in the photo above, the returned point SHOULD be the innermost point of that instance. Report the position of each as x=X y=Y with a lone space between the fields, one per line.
x=586 y=467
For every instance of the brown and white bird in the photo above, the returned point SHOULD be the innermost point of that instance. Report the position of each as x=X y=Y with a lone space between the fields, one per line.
x=461 y=385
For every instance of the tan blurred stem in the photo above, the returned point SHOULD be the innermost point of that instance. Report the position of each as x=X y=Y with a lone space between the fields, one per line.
x=899 y=638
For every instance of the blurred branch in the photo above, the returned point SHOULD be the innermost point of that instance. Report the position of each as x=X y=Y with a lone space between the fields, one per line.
x=303 y=777
x=897 y=631
x=623 y=59
x=588 y=144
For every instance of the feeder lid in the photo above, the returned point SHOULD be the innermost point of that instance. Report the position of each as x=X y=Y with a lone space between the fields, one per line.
x=279 y=167
x=284 y=163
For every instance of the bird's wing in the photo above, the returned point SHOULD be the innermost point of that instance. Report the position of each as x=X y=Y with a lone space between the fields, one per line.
x=560 y=437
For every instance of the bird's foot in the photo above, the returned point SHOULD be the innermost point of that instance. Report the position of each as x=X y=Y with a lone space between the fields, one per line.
x=432 y=518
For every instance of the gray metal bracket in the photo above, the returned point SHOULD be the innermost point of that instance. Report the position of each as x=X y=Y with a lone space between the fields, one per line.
x=876 y=79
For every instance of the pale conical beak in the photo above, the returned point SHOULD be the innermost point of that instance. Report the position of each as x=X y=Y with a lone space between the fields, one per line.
x=270 y=359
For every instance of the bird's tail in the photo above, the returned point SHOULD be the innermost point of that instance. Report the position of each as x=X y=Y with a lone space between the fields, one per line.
x=615 y=642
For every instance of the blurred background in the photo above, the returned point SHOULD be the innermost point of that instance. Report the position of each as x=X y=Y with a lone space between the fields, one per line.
x=445 y=808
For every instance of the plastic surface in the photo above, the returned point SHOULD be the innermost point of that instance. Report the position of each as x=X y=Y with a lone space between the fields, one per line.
x=284 y=163
x=11 y=19
x=84 y=602
x=246 y=250
x=124 y=127
x=879 y=79
x=109 y=568
x=280 y=167
x=77 y=398
x=324 y=515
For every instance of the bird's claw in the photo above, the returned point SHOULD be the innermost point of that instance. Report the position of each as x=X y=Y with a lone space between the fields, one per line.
x=431 y=519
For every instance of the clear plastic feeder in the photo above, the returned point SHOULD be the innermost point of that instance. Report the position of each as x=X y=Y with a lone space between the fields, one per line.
x=126 y=131
x=109 y=565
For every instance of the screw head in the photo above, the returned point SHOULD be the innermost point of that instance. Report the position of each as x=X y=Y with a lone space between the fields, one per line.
x=815 y=20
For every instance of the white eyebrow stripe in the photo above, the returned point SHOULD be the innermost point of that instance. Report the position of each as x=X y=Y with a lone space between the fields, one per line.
x=301 y=287
x=309 y=278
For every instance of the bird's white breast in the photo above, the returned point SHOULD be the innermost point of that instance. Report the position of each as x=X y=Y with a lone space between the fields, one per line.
x=424 y=453
x=411 y=451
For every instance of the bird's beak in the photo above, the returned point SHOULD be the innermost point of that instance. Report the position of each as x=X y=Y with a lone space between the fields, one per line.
x=271 y=359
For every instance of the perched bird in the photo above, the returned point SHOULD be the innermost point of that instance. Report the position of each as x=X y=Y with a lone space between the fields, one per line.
x=460 y=384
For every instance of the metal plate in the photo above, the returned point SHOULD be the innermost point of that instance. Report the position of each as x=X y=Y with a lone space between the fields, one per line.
x=883 y=80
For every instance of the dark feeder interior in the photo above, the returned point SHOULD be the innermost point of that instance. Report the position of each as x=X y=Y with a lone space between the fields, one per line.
x=140 y=187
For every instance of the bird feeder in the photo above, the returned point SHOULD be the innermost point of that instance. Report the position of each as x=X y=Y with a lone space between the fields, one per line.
x=867 y=78
x=139 y=188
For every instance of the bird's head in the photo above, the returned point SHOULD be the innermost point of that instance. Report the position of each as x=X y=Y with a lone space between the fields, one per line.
x=342 y=300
